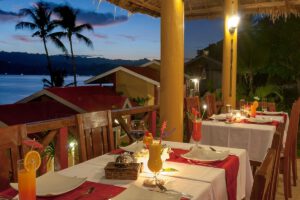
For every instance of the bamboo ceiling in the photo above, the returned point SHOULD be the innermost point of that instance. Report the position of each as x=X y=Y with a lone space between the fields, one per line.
x=214 y=8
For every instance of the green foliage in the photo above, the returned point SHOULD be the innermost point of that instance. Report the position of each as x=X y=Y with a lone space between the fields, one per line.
x=141 y=101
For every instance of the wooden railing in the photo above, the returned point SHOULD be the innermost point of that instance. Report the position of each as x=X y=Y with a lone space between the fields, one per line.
x=57 y=130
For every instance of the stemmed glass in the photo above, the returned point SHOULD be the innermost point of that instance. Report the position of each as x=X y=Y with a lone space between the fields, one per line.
x=137 y=130
x=155 y=162
x=264 y=105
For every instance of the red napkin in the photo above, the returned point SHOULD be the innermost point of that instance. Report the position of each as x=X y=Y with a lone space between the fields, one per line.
x=230 y=165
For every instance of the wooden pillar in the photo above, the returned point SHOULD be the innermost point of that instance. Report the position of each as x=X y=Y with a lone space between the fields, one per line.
x=229 y=72
x=172 y=66
x=61 y=149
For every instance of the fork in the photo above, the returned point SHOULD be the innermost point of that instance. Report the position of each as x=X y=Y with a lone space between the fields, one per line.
x=89 y=191
x=164 y=189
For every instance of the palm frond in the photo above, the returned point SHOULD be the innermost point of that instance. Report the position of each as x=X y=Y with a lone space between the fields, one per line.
x=59 y=44
x=27 y=25
x=82 y=27
x=28 y=12
x=58 y=34
x=37 y=33
x=83 y=38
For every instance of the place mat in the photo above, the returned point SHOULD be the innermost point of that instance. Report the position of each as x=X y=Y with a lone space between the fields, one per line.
x=230 y=165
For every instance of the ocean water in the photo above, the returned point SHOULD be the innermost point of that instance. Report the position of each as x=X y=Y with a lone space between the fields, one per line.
x=16 y=87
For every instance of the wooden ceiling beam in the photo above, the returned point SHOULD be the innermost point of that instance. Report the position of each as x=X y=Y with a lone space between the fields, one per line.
x=245 y=7
x=144 y=4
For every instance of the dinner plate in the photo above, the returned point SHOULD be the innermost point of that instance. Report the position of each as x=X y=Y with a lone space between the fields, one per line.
x=259 y=120
x=137 y=193
x=218 y=117
x=272 y=113
x=205 y=155
x=53 y=184
x=134 y=147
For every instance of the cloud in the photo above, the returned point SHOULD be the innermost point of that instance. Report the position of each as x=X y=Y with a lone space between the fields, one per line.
x=94 y=18
x=23 y=38
x=100 y=36
x=129 y=37
x=8 y=16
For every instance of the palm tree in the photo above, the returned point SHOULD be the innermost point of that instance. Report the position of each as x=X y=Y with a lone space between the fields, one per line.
x=68 y=22
x=41 y=23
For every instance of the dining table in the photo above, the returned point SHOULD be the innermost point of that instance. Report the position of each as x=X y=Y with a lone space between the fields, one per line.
x=230 y=178
x=256 y=138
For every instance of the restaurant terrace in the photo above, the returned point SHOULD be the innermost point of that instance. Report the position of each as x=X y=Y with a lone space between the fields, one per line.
x=184 y=147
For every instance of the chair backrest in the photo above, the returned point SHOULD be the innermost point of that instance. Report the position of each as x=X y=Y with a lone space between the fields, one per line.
x=10 y=151
x=262 y=180
x=271 y=106
x=210 y=100
x=95 y=134
x=292 y=129
x=277 y=146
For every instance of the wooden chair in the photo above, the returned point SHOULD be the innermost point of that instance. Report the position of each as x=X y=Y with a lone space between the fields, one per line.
x=294 y=146
x=210 y=100
x=262 y=180
x=10 y=151
x=271 y=106
x=189 y=104
x=277 y=146
x=95 y=134
x=285 y=159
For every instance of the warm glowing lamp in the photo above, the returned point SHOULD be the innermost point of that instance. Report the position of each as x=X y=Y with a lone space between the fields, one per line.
x=233 y=23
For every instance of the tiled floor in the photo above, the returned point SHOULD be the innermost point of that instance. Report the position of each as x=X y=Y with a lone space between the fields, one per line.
x=295 y=190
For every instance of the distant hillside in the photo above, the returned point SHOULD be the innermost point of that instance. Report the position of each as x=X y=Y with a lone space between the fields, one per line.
x=35 y=64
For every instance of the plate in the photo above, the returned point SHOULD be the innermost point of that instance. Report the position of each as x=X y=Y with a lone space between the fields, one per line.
x=259 y=120
x=272 y=113
x=205 y=155
x=53 y=184
x=134 y=147
x=137 y=193
x=219 y=117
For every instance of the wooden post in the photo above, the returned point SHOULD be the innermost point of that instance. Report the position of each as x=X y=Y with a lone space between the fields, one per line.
x=153 y=123
x=172 y=66
x=229 y=72
x=61 y=149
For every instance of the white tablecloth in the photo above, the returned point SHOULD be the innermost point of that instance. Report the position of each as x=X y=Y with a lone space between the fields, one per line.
x=255 y=138
x=200 y=181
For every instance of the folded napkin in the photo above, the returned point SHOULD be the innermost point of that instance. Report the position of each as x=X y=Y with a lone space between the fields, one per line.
x=230 y=165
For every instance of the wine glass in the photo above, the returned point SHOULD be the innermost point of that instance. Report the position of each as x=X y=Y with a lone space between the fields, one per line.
x=137 y=130
x=264 y=105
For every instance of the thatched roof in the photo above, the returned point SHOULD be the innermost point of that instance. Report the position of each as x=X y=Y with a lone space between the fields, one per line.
x=214 y=8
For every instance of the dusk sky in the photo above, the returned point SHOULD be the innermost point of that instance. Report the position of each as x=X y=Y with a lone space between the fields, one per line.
x=116 y=34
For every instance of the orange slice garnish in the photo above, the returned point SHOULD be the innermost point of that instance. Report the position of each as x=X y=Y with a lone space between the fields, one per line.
x=32 y=160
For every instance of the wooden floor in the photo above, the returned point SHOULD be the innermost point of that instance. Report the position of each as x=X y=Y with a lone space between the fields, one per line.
x=296 y=190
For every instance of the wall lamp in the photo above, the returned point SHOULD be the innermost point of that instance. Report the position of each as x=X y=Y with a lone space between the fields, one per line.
x=233 y=23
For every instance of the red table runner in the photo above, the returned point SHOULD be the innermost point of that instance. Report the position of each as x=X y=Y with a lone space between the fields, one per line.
x=230 y=165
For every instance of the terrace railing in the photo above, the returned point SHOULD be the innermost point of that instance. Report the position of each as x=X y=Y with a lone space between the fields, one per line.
x=57 y=130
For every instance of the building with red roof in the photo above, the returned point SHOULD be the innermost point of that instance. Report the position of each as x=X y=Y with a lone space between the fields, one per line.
x=133 y=82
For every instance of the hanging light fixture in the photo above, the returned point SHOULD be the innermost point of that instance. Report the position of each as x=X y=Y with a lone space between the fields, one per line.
x=233 y=22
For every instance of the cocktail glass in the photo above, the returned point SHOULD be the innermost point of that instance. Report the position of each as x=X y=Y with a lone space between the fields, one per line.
x=197 y=134
x=26 y=182
x=155 y=162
